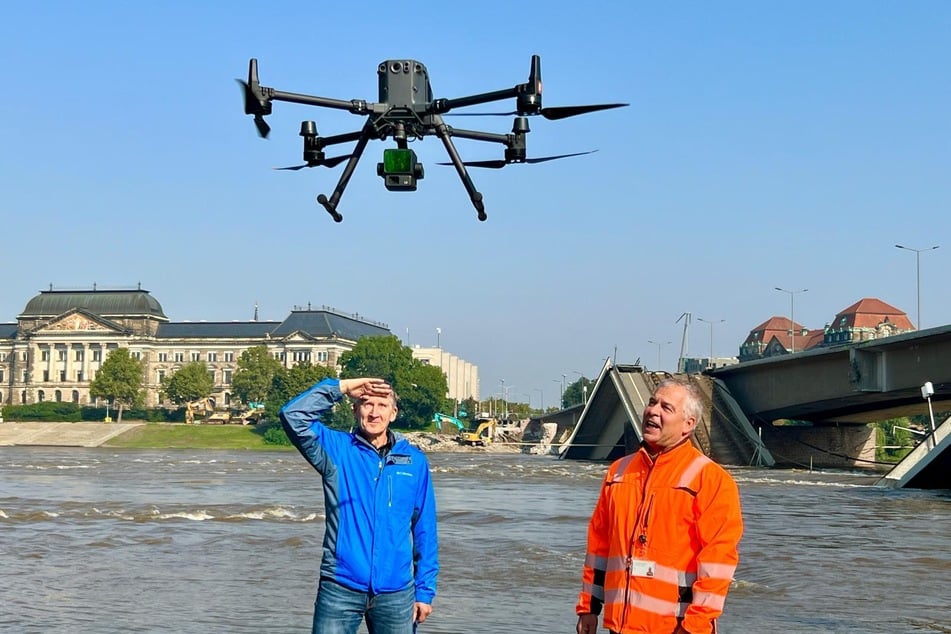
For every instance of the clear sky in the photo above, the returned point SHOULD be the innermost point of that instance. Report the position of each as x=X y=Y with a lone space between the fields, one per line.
x=768 y=144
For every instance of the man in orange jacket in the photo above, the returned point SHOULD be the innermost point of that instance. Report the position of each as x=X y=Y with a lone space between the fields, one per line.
x=662 y=541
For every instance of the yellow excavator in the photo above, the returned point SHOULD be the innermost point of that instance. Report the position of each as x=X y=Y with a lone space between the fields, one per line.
x=482 y=434
x=202 y=407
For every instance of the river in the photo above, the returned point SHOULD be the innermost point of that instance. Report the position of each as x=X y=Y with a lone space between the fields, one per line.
x=106 y=541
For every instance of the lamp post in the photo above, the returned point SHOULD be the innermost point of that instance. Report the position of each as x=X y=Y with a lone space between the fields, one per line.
x=711 y=322
x=792 y=315
x=658 y=344
x=561 y=394
x=918 y=272
x=584 y=388
x=541 y=399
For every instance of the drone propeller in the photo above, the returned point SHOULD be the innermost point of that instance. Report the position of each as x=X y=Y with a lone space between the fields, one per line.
x=254 y=100
x=553 y=114
x=330 y=162
x=499 y=163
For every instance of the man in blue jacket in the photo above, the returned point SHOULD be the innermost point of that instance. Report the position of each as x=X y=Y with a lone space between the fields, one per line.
x=380 y=550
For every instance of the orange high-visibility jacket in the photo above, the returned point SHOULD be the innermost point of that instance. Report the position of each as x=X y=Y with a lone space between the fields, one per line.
x=662 y=543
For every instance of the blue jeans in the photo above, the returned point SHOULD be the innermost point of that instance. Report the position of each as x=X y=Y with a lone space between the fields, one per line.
x=339 y=610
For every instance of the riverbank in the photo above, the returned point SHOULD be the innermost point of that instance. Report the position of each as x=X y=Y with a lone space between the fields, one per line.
x=138 y=435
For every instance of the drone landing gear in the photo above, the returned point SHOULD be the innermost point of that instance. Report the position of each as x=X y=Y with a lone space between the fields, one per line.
x=442 y=131
x=330 y=204
x=330 y=207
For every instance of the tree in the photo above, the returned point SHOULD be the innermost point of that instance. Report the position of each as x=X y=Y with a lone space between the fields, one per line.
x=289 y=382
x=119 y=381
x=252 y=380
x=574 y=393
x=192 y=382
x=421 y=387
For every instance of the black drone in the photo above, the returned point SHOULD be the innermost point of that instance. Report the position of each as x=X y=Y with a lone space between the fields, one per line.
x=407 y=111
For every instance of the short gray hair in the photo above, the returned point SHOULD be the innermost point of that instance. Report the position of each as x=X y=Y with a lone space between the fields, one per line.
x=693 y=403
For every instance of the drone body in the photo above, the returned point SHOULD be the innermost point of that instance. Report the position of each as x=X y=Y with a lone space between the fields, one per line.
x=406 y=111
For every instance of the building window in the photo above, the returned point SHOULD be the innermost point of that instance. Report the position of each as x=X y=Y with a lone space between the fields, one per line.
x=322 y=356
x=44 y=355
x=97 y=355
x=179 y=357
x=3 y=356
x=46 y=376
x=160 y=375
x=76 y=396
x=1 y=376
x=23 y=358
x=79 y=355
x=196 y=356
x=61 y=355
x=212 y=357
x=229 y=357
x=163 y=357
x=25 y=377
x=58 y=396
x=41 y=396
x=62 y=377
x=137 y=355
x=300 y=355
x=227 y=376
x=79 y=377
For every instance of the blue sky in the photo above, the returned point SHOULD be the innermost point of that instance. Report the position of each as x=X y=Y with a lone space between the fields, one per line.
x=782 y=144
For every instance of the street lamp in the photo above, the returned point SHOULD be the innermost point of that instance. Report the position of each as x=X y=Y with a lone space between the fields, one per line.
x=541 y=399
x=584 y=388
x=658 y=344
x=505 y=398
x=561 y=394
x=711 y=322
x=792 y=315
x=918 y=272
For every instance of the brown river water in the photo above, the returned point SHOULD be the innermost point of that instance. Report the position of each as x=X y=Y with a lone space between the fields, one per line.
x=105 y=540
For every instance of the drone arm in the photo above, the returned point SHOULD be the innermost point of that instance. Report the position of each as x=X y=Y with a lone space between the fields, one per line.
x=341 y=138
x=443 y=132
x=445 y=105
x=356 y=106
x=331 y=204
x=477 y=135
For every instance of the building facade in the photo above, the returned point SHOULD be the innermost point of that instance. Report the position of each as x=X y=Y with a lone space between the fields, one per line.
x=867 y=319
x=462 y=377
x=60 y=340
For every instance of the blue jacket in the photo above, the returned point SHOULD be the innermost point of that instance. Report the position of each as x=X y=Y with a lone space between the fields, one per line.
x=380 y=533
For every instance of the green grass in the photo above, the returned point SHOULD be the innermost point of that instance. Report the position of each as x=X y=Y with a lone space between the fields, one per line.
x=178 y=436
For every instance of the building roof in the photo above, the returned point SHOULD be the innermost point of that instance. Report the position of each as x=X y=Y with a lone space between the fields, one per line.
x=107 y=303
x=778 y=328
x=8 y=331
x=869 y=312
x=215 y=329
x=325 y=323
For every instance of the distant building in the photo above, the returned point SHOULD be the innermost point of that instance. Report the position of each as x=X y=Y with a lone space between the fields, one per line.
x=60 y=340
x=866 y=319
x=698 y=365
x=462 y=377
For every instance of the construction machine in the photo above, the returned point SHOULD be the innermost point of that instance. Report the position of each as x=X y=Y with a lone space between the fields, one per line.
x=202 y=407
x=446 y=418
x=481 y=434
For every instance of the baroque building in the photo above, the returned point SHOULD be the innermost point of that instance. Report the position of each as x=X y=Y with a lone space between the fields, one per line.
x=869 y=318
x=60 y=340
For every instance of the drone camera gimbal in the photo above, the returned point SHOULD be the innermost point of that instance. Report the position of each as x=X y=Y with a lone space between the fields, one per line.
x=400 y=169
x=406 y=112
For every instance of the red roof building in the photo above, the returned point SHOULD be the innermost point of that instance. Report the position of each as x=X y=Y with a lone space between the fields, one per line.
x=869 y=318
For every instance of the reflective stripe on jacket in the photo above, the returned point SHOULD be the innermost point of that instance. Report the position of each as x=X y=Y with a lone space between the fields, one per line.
x=380 y=531
x=662 y=543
